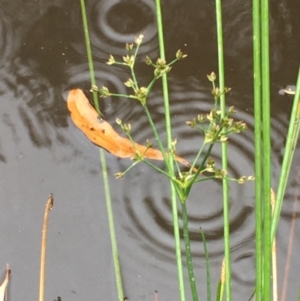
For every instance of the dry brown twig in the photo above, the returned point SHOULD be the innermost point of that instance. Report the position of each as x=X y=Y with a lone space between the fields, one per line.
x=49 y=206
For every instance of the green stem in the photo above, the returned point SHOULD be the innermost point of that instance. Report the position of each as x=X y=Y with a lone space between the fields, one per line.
x=206 y=155
x=135 y=87
x=132 y=68
x=157 y=168
x=89 y=54
x=258 y=148
x=291 y=141
x=197 y=157
x=173 y=62
x=157 y=138
x=170 y=159
x=207 y=179
x=200 y=168
x=113 y=238
x=267 y=217
x=164 y=76
x=122 y=95
x=103 y=161
x=149 y=87
x=224 y=152
x=130 y=167
x=188 y=252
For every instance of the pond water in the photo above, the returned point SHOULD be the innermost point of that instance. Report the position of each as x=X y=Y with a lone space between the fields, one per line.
x=41 y=151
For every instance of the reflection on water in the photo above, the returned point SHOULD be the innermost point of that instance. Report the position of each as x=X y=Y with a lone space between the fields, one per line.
x=43 y=55
x=6 y=40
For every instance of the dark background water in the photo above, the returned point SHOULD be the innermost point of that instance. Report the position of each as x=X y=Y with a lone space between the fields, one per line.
x=42 y=55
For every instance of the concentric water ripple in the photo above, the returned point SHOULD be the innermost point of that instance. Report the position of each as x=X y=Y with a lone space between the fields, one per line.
x=115 y=23
x=243 y=263
x=36 y=115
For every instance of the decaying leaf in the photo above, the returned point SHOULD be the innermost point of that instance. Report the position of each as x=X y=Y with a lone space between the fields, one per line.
x=4 y=284
x=101 y=132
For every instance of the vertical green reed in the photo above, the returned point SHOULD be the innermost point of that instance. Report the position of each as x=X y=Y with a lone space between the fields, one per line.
x=103 y=161
x=169 y=144
x=258 y=148
x=113 y=238
x=290 y=146
x=262 y=172
x=267 y=218
x=89 y=53
x=224 y=151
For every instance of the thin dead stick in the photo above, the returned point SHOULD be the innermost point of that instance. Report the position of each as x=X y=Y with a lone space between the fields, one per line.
x=290 y=247
x=274 y=254
x=49 y=207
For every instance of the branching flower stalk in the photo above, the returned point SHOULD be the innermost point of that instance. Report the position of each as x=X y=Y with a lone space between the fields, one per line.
x=213 y=127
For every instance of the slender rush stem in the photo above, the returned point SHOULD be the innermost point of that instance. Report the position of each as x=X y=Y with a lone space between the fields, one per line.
x=291 y=141
x=200 y=168
x=188 y=254
x=112 y=228
x=49 y=206
x=224 y=151
x=274 y=255
x=103 y=162
x=164 y=76
x=89 y=53
x=197 y=157
x=169 y=142
x=258 y=148
x=267 y=217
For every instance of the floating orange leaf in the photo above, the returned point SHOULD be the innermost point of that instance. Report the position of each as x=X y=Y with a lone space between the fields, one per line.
x=101 y=132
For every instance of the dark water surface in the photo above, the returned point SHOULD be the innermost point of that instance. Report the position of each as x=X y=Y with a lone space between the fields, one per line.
x=42 y=55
